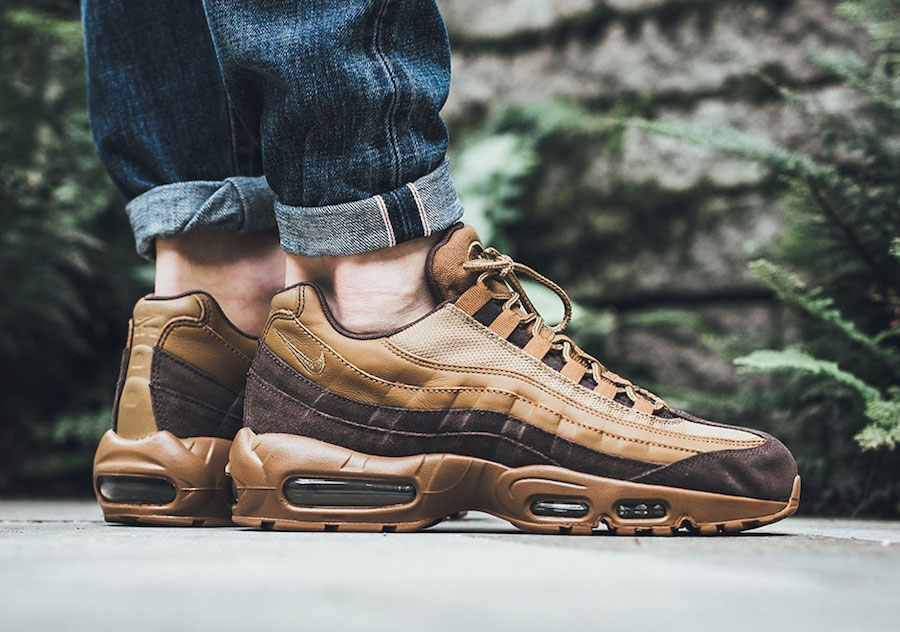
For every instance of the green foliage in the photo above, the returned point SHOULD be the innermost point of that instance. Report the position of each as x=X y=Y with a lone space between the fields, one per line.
x=879 y=18
x=884 y=426
x=794 y=360
x=66 y=258
x=837 y=266
x=494 y=170
x=814 y=303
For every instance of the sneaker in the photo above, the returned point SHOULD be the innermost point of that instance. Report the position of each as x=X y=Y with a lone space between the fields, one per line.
x=179 y=402
x=480 y=405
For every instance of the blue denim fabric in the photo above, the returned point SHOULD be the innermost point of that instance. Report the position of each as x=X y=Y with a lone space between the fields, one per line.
x=336 y=102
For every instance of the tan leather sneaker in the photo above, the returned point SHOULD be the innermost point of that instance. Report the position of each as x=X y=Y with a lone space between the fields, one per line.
x=179 y=402
x=480 y=405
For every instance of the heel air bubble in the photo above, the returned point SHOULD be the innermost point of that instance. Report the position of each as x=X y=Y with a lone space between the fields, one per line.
x=559 y=508
x=641 y=509
x=319 y=492
x=136 y=490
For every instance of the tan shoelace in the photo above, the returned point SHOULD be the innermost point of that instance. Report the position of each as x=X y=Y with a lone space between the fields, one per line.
x=489 y=262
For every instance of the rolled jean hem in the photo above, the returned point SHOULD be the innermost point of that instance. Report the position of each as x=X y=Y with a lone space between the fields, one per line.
x=239 y=204
x=416 y=209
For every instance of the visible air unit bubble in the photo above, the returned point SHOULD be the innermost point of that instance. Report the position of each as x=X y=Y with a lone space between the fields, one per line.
x=319 y=492
x=136 y=490
x=638 y=509
x=559 y=508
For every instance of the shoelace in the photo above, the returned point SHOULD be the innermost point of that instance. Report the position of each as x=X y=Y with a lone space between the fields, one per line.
x=489 y=262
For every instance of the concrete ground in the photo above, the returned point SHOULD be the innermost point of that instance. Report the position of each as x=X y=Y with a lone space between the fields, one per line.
x=63 y=568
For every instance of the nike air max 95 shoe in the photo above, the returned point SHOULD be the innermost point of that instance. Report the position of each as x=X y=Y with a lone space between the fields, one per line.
x=179 y=402
x=480 y=405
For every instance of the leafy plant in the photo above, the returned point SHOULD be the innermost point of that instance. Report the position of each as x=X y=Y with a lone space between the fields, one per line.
x=836 y=268
x=837 y=265
x=66 y=257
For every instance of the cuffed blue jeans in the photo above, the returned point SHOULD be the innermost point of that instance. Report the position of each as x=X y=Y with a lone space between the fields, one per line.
x=319 y=117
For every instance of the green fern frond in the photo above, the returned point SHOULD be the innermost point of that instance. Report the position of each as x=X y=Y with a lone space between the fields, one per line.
x=796 y=361
x=878 y=17
x=881 y=88
x=791 y=290
x=884 y=427
x=736 y=143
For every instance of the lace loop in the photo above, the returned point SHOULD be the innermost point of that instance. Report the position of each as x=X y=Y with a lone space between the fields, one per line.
x=492 y=262
x=489 y=262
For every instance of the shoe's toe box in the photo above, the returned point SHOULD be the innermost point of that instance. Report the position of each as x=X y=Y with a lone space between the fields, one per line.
x=764 y=472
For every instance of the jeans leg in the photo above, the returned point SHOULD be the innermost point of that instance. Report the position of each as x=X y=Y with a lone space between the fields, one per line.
x=345 y=97
x=162 y=123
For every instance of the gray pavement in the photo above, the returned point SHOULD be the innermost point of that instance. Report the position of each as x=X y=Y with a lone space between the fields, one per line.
x=63 y=568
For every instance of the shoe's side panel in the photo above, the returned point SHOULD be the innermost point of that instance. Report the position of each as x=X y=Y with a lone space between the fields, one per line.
x=331 y=415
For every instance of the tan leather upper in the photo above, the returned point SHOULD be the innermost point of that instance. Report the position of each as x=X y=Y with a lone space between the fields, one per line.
x=191 y=327
x=449 y=360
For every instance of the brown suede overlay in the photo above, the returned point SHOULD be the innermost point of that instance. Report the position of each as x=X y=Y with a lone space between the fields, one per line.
x=191 y=403
x=280 y=399
x=768 y=470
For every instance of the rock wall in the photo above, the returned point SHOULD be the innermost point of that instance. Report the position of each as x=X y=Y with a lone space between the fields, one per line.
x=660 y=223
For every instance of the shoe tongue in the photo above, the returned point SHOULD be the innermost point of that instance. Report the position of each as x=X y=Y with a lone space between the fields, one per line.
x=444 y=270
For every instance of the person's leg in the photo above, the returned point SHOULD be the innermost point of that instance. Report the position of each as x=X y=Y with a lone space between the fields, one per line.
x=241 y=270
x=347 y=95
x=164 y=130
x=166 y=133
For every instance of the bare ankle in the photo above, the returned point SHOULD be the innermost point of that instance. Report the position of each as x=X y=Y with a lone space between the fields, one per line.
x=242 y=271
x=373 y=291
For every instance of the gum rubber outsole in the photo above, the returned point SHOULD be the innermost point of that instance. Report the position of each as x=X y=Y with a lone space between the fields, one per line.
x=195 y=467
x=447 y=484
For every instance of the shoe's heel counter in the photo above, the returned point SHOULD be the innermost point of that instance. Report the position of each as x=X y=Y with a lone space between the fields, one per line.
x=189 y=335
x=133 y=416
x=208 y=341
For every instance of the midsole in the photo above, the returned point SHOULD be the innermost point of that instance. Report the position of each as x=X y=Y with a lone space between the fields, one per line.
x=162 y=474
x=262 y=465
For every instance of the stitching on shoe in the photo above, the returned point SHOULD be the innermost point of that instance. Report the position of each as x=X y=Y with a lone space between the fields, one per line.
x=482 y=371
x=490 y=390
x=274 y=390
x=163 y=417
x=187 y=398
x=190 y=367
x=199 y=323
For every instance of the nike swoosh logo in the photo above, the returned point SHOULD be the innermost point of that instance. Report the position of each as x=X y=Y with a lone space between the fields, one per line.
x=314 y=366
x=152 y=320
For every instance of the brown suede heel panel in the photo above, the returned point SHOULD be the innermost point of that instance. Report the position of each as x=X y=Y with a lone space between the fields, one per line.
x=765 y=472
x=190 y=403
x=280 y=399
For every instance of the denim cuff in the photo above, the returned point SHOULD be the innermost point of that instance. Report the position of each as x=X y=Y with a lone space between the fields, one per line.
x=416 y=209
x=239 y=204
